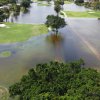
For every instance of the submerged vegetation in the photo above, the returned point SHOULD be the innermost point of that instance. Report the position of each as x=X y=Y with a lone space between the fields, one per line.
x=58 y=81
x=5 y=54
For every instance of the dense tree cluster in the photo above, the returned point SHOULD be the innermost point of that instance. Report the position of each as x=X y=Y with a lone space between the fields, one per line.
x=25 y=3
x=1 y=15
x=3 y=2
x=58 y=81
x=79 y=1
x=89 y=4
x=12 y=8
x=56 y=22
x=93 y=5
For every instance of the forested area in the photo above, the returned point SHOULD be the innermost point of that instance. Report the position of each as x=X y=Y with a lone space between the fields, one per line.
x=58 y=81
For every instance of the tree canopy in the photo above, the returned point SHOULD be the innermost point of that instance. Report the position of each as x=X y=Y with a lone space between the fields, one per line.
x=55 y=22
x=25 y=3
x=57 y=8
x=2 y=16
x=58 y=81
x=3 y=2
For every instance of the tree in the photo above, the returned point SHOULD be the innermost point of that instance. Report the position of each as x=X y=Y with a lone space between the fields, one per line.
x=55 y=22
x=79 y=1
x=57 y=8
x=58 y=81
x=12 y=1
x=2 y=16
x=3 y=2
x=25 y=3
x=6 y=13
x=59 y=2
x=96 y=5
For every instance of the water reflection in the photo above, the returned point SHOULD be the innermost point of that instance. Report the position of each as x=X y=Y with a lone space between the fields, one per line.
x=38 y=14
x=56 y=40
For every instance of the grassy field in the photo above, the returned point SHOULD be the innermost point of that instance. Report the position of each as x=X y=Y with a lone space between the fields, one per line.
x=87 y=14
x=20 y=32
x=43 y=4
x=68 y=2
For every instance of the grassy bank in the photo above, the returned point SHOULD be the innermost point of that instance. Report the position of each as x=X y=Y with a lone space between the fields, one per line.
x=43 y=4
x=68 y=2
x=87 y=14
x=20 y=32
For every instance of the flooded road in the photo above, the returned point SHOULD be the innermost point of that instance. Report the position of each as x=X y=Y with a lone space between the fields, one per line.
x=80 y=39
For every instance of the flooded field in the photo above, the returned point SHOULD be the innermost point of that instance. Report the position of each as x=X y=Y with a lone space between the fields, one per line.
x=80 y=39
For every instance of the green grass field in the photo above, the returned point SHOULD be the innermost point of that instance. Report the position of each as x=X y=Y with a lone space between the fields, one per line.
x=43 y=4
x=68 y=2
x=87 y=14
x=20 y=32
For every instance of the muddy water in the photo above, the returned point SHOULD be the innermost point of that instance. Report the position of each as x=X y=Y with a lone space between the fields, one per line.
x=24 y=56
x=80 y=39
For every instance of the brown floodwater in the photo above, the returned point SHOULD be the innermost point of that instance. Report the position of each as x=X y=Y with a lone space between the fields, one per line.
x=79 y=39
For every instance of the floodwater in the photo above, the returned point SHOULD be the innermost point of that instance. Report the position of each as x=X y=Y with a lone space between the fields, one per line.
x=38 y=14
x=74 y=7
x=80 y=39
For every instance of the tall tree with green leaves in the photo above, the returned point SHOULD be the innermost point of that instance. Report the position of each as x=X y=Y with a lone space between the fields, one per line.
x=57 y=8
x=3 y=2
x=59 y=2
x=25 y=3
x=6 y=13
x=12 y=1
x=2 y=16
x=55 y=22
